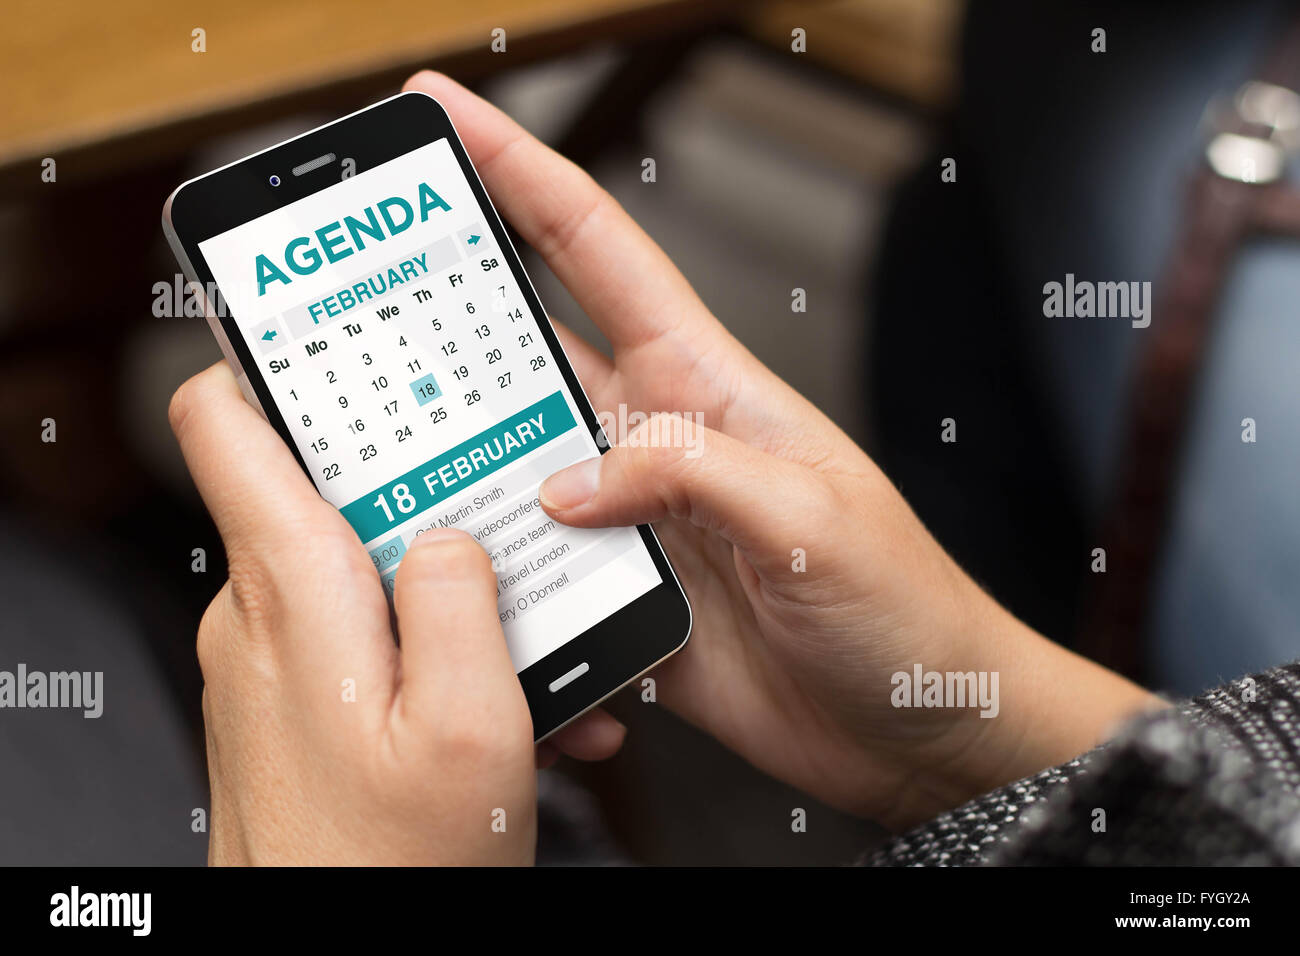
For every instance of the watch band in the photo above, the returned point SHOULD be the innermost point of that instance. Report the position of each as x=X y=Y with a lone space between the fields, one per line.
x=1237 y=192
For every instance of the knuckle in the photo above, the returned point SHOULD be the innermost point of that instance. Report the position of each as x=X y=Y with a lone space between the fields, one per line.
x=253 y=593
x=207 y=644
x=645 y=432
x=663 y=438
x=193 y=395
x=178 y=409
x=655 y=458
x=464 y=742
x=268 y=584
x=559 y=235
x=234 y=635
x=485 y=742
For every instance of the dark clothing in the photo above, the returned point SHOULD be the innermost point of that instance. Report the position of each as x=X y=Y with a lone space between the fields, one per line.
x=1213 y=781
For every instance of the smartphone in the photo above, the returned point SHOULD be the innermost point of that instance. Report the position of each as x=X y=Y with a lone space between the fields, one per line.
x=373 y=308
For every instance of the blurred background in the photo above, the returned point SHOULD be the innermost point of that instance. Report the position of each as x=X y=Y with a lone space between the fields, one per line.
x=920 y=167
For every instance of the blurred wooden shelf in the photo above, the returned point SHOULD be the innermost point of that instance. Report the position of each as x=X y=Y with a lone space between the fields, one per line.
x=102 y=85
x=907 y=48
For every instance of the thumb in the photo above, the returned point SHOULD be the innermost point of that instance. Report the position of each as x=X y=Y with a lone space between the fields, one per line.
x=455 y=664
x=673 y=467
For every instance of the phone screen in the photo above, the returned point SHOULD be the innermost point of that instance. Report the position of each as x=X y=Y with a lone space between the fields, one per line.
x=418 y=389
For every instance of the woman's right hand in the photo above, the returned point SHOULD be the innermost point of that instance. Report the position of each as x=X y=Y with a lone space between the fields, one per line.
x=812 y=582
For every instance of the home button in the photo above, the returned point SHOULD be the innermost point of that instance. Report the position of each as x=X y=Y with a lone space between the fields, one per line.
x=567 y=678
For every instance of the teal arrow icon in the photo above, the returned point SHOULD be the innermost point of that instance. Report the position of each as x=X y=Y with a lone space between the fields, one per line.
x=269 y=335
x=473 y=240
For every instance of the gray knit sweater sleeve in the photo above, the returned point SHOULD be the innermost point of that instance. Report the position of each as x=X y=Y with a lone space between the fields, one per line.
x=1214 y=780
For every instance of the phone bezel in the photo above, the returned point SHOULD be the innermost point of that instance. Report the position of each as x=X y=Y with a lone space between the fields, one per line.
x=619 y=648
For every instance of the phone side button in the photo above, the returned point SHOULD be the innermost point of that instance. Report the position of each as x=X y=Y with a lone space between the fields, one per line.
x=564 y=680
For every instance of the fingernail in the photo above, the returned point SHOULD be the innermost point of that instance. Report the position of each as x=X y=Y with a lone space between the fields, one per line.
x=571 y=487
x=436 y=536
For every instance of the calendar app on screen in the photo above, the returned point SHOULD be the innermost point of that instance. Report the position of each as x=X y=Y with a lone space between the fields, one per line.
x=419 y=390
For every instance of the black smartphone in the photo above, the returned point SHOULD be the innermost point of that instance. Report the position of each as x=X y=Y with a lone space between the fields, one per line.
x=373 y=308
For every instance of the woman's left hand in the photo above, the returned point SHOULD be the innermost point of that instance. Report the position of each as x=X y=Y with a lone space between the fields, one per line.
x=327 y=743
